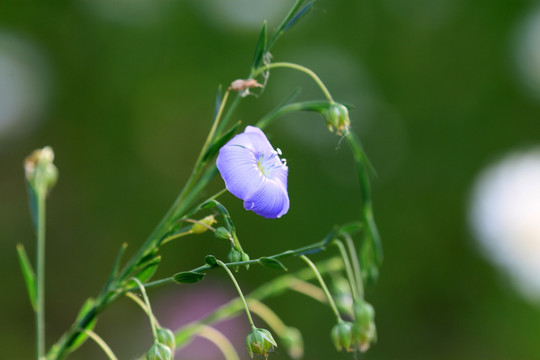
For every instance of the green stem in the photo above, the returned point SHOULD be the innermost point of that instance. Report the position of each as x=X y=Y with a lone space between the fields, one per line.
x=323 y=286
x=348 y=269
x=272 y=288
x=149 y=309
x=40 y=274
x=220 y=263
x=102 y=344
x=299 y=68
x=268 y=315
x=356 y=264
x=223 y=344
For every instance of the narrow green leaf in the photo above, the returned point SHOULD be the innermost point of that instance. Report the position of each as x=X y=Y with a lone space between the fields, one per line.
x=303 y=11
x=284 y=23
x=217 y=105
x=214 y=148
x=28 y=274
x=260 y=49
x=188 y=277
x=272 y=263
x=149 y=270
x=210 y=260
x=82 y=336
x=351 y=228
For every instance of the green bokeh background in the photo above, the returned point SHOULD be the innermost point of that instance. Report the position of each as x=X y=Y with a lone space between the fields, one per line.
x=130 y=102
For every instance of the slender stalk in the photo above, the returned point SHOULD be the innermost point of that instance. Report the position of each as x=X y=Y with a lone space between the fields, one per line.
x=300 y=68
x=223 y=344
x=348 y=269
x=356 y=264
x=250 y=319
x=102 y=344
x=148 y=308
x=40 y=274
x=323 y=286
x=142 y=305
x=268 y=315
x=272 y=288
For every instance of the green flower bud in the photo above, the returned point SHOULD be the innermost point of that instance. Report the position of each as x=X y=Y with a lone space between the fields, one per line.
x=159 y=352
x=337 y=117
x=342 y=295
x=166 y=337
x=39 y=169
x=245 y=257
x=342 y=335
x=260 y=342
x=223 y=234
x=364 y=331
x=234 y=256
x=292 y=340
x=200 y=228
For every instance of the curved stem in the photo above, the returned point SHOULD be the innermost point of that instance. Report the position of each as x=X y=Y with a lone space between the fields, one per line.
x=356 y=264
x=268 y=315
x=102 y=344
x=323 y=286
x=348 y=268
x=300 y=68
x=148 y=307
x=223 y=344
x=250 y=319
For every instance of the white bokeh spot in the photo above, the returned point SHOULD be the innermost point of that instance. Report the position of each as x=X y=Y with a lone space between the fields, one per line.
x=505 y=216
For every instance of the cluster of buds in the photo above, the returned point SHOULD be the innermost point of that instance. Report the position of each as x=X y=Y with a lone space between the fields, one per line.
x=260 y=342
x=237 y=256
x=163 y=348
x=364 y=332
x=359 y=334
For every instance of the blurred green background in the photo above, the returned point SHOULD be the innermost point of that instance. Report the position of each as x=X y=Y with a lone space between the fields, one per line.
x=124 y=91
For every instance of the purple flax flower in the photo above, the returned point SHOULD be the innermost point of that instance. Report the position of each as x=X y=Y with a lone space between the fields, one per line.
x=253 y=172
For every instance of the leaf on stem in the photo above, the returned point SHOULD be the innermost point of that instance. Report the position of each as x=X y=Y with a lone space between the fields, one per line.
x=272 y=263
x=210 y=260
x=148 y=270
x=82 y=336
x=188 y=277
x=214 y=148
x=351 y=228
x=260 y=49
x=28 y=274
x=303 y=11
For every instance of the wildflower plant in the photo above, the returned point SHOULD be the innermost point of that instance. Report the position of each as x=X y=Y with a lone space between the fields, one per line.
x=255 y=172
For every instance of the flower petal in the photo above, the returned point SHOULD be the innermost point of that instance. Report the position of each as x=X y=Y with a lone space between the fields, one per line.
x=254 y=139
x=271 y=199
x=238 y=167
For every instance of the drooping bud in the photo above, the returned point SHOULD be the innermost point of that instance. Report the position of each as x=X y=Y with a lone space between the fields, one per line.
x=223 y=234
x=342 y=335
x=245 y=257
x=260 y=342
x=342 y=295
x=166 y=337
x=39 y=169
x=159 y=352
x=337 y=117
x=199 y=228
x=364 y=330
x=234 y=256
x=292 y=340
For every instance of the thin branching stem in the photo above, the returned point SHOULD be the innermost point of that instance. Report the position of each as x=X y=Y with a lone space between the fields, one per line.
x=323 y=286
